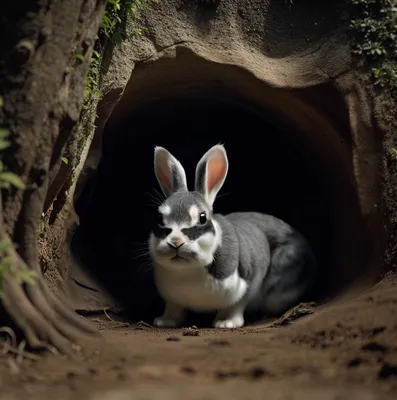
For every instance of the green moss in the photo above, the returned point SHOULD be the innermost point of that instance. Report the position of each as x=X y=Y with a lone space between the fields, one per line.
x=7 y=178
x=112 y=29
x=115 y=15
x=9 y=266
x=92 y=82
x=374 y=29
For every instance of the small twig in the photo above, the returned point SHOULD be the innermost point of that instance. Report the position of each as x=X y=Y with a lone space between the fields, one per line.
x=107 y=315
x=11 y=334
x=19 y=351
x=51 y=349
x=27 y=355
x=143 y=325
x=20 y=354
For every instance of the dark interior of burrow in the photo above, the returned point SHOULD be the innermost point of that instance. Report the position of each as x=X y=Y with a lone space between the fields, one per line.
x=268 y=172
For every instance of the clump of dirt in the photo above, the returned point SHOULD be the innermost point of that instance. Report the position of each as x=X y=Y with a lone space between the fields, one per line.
x=191 y=331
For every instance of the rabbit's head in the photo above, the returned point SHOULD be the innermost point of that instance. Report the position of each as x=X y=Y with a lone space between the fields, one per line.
x=186 y=235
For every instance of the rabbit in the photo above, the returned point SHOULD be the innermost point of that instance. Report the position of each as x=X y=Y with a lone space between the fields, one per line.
x=225 y=264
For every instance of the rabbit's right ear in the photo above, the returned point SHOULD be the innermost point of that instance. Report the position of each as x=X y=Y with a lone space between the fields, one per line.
x=169 y=171
x=211 y=172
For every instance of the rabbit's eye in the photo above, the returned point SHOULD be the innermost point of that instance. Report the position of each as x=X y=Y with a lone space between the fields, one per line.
x=202 y=219
x=160 y=219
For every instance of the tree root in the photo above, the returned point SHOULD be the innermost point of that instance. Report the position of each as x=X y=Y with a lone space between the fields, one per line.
x=46 y=322
x=44 y=319
x=63 y=310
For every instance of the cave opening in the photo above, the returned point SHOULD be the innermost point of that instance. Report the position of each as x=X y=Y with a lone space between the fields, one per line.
x=273 y=170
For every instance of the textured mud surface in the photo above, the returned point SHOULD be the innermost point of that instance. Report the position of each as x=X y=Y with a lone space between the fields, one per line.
x=344 y=350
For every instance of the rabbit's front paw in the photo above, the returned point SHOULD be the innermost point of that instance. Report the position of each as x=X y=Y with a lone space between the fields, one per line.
x=162 y=322
x=237 y=321
x=172 y=317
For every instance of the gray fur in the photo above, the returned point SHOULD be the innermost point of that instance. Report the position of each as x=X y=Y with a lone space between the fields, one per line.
x=200 y=177
x=265 y=249
x=274 y=260
x=180 y=202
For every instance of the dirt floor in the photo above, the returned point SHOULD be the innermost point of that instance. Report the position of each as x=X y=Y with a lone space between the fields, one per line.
x=347 y=350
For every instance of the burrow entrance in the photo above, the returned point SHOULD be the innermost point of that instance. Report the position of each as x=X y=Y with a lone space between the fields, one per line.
x=284 y=161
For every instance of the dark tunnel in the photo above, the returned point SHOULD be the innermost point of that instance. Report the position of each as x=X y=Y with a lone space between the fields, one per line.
x=269 y=171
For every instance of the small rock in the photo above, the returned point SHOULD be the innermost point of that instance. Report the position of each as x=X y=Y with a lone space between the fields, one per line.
x=173 y=339
x=76 y=347
x=192 y=331
x=142 y=325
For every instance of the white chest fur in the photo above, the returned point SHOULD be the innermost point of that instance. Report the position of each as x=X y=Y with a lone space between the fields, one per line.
x=195 y=289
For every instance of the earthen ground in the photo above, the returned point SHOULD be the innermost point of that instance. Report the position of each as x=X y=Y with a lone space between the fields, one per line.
x=345 y=350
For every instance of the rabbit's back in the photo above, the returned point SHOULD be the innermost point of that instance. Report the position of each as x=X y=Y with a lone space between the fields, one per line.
x=275 y=259
x=254 y=225
x=247 y=241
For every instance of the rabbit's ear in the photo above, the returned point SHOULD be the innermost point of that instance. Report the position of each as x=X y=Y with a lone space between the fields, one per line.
x=169 y=171
x=211 y=172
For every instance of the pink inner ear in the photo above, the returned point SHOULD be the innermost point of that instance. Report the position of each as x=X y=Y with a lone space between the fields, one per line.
x=216 y=170
x=165 y=177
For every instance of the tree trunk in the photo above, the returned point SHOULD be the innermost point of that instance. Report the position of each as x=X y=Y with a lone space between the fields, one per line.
x=45 y=52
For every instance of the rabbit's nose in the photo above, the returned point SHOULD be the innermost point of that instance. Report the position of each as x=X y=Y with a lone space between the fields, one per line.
x=176 y=243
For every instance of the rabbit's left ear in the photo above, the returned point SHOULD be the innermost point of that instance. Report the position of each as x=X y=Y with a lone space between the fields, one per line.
x=169 y=171
x=211 y=173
